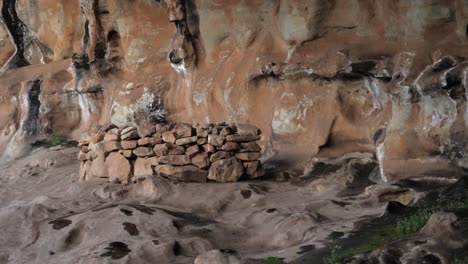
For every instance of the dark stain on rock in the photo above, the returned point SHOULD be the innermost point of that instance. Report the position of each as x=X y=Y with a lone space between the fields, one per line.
x=116 y=250
x=58 y=224
x=189 y=217
x=51 y=253
x=177 y=249
x=131 y=228
x=336 y=235
x=340 y=203
x=271 y=210
x=246 y=194
x=305 y=249
x=143 y=209
x=105 y=207
x=156 y=242
x=126 y=212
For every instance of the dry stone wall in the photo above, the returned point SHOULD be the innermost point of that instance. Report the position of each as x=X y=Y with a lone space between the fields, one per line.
x=181 y=152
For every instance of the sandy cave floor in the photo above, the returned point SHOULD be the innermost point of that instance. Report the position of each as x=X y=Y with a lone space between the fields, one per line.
x=47 y=216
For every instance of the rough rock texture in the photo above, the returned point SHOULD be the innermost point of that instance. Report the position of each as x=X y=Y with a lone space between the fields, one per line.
x=333 y=77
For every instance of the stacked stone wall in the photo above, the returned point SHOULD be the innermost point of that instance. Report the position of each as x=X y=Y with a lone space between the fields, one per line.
x=181 y=152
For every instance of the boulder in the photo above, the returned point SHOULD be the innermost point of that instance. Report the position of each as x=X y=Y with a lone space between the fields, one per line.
x=226 y=170
x=230 y=146
x=201 y=160
x=220 y=155
x=149 y=141
x=183 y=130
x=97 y=137
x=168 y=137
x=85 y=139
x=129 y=144
x=174 y=160
x=188 y=173
x=99 y=168
x=142 y=168
x=254 y=169
x=216 y=140
x=143 y=152
x=119 y=168
x=242 y=138
x=225 y=131
x=202 y=141
x=246 y=129
x=192 y=150
x=105 y=147
x=107 y=127
x=250 y=147
x=248 y=156
x=186 y=140
x=219 y=257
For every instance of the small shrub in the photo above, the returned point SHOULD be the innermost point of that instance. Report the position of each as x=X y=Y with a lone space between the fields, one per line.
x=56 y=139
x=411 y=224
x=272 y=260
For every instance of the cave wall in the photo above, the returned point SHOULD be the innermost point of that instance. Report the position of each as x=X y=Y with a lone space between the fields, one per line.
x=319 y=77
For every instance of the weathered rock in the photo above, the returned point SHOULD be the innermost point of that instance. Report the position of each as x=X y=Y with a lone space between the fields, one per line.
x=247 y=129
x=187 y=173
x=161 y=149
x=97 y=137
x=225 y=131
x=183 y=130
x=85 y=169
x=216 y=140
x=128 y=130
x=99 y=168
x=226 y=170
x=168 y=137
x=202 y=141
x=219 y=257
x=149 y=141
x=192 y=150
x=128 y=153
x=129 y=144
x=254 y=169
x=220 y=155
x=242 y=138
x=119 y=168
x=112 y=135
x=202 y=132
x=201 y=160
x=132 y=134
x=82 y=156
x=208 y=148
x=186 y=141
x=105 y=147
x=146 y=129
x=174 y=160
x=143 y=152
x=84 y=141
x=248 y=156
x=107 y=127
x=142 y=168
x=230 y=146
x=250 y=147
x=85 y=149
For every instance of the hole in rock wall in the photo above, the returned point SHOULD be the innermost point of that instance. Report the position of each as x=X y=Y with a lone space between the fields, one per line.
x=31 y=124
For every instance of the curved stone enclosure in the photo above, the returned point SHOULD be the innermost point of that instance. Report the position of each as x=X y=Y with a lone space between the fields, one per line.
x=180 y=152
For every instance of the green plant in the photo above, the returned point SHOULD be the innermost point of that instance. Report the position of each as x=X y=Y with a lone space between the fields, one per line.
x=55 y=139
x=336 y=255
x=411 y=224
x=272 y=260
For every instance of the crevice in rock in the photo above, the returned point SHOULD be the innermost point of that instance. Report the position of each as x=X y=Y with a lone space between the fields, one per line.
x=31 y=124
x=18 y=32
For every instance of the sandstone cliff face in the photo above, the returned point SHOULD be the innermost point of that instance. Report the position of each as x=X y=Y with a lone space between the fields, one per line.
x=321 y=77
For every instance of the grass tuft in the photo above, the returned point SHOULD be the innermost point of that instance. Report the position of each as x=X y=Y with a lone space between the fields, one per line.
x=55 y=139
x=272 y=260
